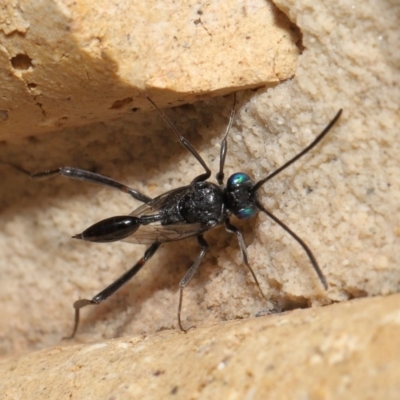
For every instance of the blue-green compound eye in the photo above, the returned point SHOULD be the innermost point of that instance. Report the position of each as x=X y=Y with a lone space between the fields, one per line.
x=247 y=212
x=237 y=179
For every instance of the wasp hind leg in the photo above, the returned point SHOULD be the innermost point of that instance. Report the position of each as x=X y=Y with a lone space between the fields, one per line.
x=111 y=289
x=87 y=176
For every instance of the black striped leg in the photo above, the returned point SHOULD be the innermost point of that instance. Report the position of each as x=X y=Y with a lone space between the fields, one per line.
x=87 y=176
x=233 y=229
x=111 y=289
x=189 y=275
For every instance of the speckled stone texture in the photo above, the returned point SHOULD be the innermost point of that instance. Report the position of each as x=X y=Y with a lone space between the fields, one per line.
x=342 y=199
x=71 y=63
x=345 y=351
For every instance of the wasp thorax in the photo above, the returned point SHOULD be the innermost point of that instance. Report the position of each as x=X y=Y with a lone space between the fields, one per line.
x=241 y=196
x=202 y=203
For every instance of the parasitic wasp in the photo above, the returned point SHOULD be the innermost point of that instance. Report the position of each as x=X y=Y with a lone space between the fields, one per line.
x=183 y=212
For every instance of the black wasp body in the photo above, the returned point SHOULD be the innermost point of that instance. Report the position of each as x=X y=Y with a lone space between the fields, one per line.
x=182 y=213
x=201 y=203
x=178 y=214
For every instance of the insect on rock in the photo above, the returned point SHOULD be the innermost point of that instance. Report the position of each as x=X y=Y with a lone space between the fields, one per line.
x=181 y=213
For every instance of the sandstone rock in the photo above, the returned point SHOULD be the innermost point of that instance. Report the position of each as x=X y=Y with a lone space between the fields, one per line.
x=347 y=350
x=66 y=64
x=343 y=200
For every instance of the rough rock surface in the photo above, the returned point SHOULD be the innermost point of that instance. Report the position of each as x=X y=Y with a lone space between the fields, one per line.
x=347 y=351
x=70 y=63
x=343 y=200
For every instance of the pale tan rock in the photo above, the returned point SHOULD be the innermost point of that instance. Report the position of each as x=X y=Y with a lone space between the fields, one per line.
x=343 y=200
x=344 y=351
x=66 y=63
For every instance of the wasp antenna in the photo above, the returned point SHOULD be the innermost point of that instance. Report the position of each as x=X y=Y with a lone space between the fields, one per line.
x=305 y=151
x=309 y=253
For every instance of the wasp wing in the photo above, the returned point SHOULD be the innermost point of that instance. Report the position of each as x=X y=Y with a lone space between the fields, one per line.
x=159 y=232
x=155 y=232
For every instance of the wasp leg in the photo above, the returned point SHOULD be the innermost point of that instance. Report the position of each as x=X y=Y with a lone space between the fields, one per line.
x=186 y=144
x=233 y=229
x=189 y=276
x=111 y=289
x=87 y=176
x=224 y=145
